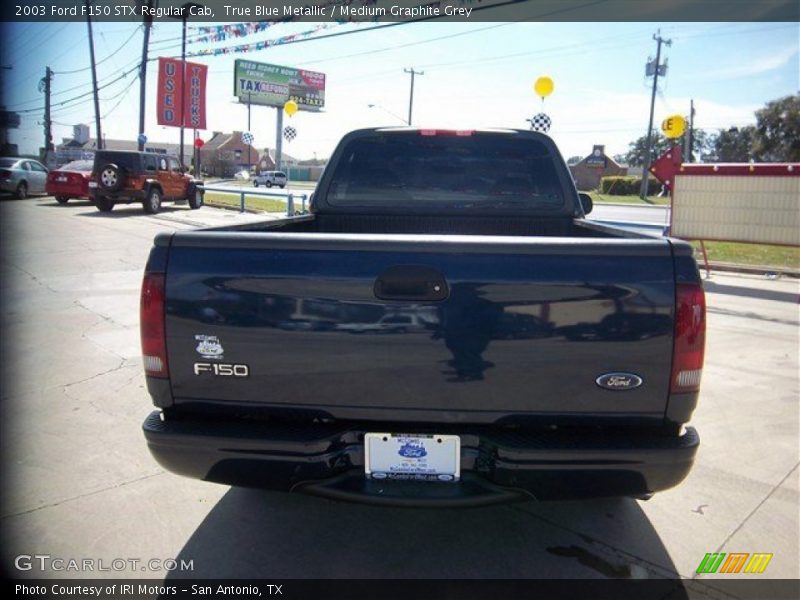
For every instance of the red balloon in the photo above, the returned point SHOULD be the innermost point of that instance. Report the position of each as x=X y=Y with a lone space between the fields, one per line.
x=198 y=143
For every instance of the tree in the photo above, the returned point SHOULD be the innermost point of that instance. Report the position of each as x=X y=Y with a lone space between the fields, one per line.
x=574 y=160
x=777 y=131
x=702 y=146
x=732 y=145
x=634 y=157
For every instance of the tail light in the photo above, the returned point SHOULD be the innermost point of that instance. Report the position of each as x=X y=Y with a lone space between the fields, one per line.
x=690 y=338
x=5 y=174
x=151 y=324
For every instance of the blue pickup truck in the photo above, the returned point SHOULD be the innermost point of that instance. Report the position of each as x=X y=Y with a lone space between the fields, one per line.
x=444 y=328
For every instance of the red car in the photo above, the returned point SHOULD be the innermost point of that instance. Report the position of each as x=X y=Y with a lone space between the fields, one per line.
x=70 y=181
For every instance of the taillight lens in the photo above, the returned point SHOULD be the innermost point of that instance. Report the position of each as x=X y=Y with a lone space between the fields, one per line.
x=151 y=324
x=5 y=174
x=690 y=338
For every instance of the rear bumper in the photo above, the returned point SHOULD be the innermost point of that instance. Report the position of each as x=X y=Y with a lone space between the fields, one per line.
x=497 y=465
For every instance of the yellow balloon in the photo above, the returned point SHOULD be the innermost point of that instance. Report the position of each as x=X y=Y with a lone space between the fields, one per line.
x=290 y=107
x=543 y=86
x=674 y=126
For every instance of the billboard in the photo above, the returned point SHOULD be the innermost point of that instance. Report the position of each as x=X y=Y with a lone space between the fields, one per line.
x=170 y=93
x=274 y=85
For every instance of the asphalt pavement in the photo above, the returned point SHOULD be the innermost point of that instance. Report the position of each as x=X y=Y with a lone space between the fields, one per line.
x=79 y=481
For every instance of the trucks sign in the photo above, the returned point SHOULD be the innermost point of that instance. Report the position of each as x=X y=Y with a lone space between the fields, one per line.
x=274 y=85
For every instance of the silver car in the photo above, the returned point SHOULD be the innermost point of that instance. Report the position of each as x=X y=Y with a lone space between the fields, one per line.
x=22 y=176
x=270 y=178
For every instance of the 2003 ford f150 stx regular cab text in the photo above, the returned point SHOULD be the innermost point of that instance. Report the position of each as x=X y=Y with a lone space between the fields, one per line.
x=444 y=328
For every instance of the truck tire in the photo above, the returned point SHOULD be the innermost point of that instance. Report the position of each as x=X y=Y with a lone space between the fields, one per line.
x=111 y=177
x=152 y=203
x=104 y=204
x=22 y=191
x=255 y=183
x=62 y=199
x=196 y=199
x=268 y=184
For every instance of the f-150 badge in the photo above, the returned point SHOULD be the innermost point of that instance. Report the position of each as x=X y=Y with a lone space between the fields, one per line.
x=619 y=381
x=209 y=346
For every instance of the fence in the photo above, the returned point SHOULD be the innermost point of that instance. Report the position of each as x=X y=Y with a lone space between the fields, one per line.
x=291 y=199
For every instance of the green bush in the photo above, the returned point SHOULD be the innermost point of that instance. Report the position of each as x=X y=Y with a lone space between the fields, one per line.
x=627 y=186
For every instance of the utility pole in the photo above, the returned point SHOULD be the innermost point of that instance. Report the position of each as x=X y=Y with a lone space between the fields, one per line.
x=48 y=124
x=249 y=145
x=411 y=96
x=148 y=23
x=98 y=133
x=689 y=140
x=656 y=71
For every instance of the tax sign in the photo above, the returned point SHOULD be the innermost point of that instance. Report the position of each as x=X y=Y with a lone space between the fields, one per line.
x=171 y=77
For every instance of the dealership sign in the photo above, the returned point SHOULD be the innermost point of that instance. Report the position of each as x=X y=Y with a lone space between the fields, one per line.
x=274 y=85
x=170 y=93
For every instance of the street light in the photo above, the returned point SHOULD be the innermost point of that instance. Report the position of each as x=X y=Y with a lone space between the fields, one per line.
x=388 y=112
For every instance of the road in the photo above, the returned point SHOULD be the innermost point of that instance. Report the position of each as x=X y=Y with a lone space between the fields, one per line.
x=79 y=481
x=623 y=212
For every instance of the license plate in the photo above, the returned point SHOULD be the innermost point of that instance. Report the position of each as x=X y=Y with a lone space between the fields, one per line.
x=92 y=184
x=61 y=179
x=418 y=457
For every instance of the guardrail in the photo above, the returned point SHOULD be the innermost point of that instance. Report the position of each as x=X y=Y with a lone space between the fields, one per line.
x=290 y=197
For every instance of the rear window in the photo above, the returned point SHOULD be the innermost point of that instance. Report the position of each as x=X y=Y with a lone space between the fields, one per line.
x=447 y=171
x=78 y=165
x=127 y=160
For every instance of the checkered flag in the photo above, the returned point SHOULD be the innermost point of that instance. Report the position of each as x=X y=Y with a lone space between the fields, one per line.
x=289 y=133
x=540 y=122
x=247 y=138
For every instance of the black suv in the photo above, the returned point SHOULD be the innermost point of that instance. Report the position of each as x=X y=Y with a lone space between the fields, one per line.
x=145 y=177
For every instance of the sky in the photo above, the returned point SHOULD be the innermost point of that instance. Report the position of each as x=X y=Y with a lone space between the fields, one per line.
x=475 y=75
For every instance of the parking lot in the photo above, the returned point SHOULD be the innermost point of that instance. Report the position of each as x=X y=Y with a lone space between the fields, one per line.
x=80 y=483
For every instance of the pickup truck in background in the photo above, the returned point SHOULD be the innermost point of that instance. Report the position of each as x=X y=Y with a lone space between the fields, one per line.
x=522 y=351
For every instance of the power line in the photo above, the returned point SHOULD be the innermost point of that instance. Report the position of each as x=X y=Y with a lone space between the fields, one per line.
x=89 y=93
x=125 y=43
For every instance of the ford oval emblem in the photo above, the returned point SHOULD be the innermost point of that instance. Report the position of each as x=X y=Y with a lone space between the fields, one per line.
x=410 y=450
x=619 y=381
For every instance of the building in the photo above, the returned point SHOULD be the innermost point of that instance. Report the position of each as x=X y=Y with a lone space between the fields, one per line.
x=82 y=146
x=268 y=160
x=588 y=172
x=225 y=154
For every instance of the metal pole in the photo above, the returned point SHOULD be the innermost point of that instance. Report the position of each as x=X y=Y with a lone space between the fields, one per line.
x=411 y=95
x=249 y=158
x=98 y=132
x=690 y=136
x=184 y=17
x=279 y=139
x=148 y=22
x=646 y=165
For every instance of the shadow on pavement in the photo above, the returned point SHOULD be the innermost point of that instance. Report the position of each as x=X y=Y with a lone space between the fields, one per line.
x=253 y=533
x=131 y=210
x=750 y=292
x=73 y=203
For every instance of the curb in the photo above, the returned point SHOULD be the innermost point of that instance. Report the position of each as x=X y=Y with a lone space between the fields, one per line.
x=749 y=269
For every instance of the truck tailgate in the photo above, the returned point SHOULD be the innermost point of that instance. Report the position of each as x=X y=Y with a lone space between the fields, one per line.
x=337 y=324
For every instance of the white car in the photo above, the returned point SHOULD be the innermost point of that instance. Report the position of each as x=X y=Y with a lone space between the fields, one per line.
x=22 y=176
x=270 y=178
